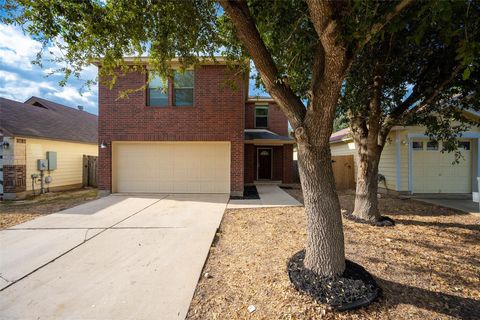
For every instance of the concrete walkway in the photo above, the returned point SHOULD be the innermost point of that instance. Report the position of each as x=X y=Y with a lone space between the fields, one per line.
x=270 y=196
x=119 y=257
x=467 y=206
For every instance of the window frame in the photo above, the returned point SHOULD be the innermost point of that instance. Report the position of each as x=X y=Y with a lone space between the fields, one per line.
x=418 y=149
x=167 y=87
x=435 y=142
x=174 y=102
x=466 y=143
x=260 y=106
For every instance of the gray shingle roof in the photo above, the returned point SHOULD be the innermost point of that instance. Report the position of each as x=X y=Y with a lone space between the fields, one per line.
x=46 y=119
x=260 y=134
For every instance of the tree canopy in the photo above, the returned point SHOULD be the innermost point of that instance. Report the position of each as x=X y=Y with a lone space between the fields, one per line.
x=428 y=71
x=112 y=30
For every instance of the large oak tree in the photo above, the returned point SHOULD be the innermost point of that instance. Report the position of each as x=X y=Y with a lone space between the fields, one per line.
x=424 y=70
x=301 y=50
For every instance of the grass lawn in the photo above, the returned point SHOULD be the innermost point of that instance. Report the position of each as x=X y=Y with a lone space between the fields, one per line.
x=428 y=264
x=15 y=212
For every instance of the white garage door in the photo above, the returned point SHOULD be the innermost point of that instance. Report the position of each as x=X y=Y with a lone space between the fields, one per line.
x=177 y=167
x=433 y=171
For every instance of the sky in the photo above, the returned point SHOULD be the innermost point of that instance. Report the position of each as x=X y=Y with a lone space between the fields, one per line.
x=20 y=78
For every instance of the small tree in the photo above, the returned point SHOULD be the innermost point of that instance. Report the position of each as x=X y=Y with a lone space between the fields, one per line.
x=419 y=72
x=301 y=49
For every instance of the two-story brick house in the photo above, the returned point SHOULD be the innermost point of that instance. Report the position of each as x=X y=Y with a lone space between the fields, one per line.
x=197 y=132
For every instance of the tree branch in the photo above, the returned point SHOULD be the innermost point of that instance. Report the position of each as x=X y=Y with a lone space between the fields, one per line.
x=405 y=110
x=328 y=70
x=433 y=94
x=247 y=32
x=377 y=27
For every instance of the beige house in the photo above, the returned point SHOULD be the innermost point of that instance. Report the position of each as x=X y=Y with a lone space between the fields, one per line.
x=42 y=146
x=412 y=164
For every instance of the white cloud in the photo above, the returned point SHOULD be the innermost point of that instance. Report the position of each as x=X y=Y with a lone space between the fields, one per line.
x=20 y=79
x=17 y=49
x=8 y=76
x=12 y=87
x=73 y=96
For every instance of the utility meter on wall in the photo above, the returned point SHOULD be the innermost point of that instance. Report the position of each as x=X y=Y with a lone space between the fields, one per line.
x=42 y=164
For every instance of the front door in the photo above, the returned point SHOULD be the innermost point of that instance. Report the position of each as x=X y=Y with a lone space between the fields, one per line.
x=264 y=164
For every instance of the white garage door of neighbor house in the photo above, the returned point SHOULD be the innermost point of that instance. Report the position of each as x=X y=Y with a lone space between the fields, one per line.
x=433 y=171
x=171 y=167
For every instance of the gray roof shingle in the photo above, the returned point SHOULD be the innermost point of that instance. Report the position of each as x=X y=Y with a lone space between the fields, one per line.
x=260 y=134
x=41 y=118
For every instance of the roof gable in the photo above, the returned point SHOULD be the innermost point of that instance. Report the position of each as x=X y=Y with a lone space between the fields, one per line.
x=42 y=118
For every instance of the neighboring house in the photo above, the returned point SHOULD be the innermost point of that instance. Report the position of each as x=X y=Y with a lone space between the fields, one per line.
x=197 y=133
x=412 y=164
x=39 y=129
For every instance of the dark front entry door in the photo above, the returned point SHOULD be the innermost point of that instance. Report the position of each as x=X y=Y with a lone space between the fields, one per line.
x=264 y=164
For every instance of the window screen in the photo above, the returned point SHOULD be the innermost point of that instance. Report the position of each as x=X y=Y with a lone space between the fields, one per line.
x=261 y=116
x=417 y=145
x=464 y=145
x=432 y=145
x=157 y=92
x=183 y=88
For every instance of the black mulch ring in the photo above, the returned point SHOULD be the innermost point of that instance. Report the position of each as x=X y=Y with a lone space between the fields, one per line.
x=383 y=221
x=356 y=288
x=249 y=193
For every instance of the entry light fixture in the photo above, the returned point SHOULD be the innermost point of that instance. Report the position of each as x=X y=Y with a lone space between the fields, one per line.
x=5 y=145
x=103 y=145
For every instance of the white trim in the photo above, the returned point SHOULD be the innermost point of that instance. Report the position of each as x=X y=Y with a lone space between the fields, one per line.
x=260 y=99
x=472 y=112
x=478 y=157
x=464 y=135
x=271 y=163
x=398 y=159
x=410 y=166
x=267 y=142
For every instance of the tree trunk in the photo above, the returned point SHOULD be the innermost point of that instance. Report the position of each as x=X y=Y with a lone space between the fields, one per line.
x=366 y=201
x=325 y=253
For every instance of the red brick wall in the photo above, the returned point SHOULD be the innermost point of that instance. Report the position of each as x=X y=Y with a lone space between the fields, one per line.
x=277 y=172
x=282 y=163
x=277 y=121
x=14 y=178
x=250 y=163
x=288 y=164
x=218 y=114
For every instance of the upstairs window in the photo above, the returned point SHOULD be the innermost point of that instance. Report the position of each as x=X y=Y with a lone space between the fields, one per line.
x=261 y=116
x=183 y=84
x=157 y=92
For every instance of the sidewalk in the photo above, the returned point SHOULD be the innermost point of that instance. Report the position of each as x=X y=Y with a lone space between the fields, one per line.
x=270 y=196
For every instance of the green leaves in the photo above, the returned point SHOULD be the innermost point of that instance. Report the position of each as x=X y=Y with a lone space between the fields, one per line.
x=428 y=59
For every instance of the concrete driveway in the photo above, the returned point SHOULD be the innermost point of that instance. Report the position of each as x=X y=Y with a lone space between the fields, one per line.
x=118 y=257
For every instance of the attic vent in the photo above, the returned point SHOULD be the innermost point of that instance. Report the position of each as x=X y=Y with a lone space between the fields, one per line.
x=38 y=104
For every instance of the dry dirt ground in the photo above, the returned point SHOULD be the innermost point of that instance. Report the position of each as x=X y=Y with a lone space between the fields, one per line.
x=15 y=212
x=428 y=264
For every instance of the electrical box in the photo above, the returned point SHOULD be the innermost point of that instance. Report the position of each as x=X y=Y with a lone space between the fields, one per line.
x=52 y=160
x=42 y=164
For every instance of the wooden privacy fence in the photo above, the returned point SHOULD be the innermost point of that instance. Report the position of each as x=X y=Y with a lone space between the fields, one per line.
x=343 y=170
x=89 y=171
